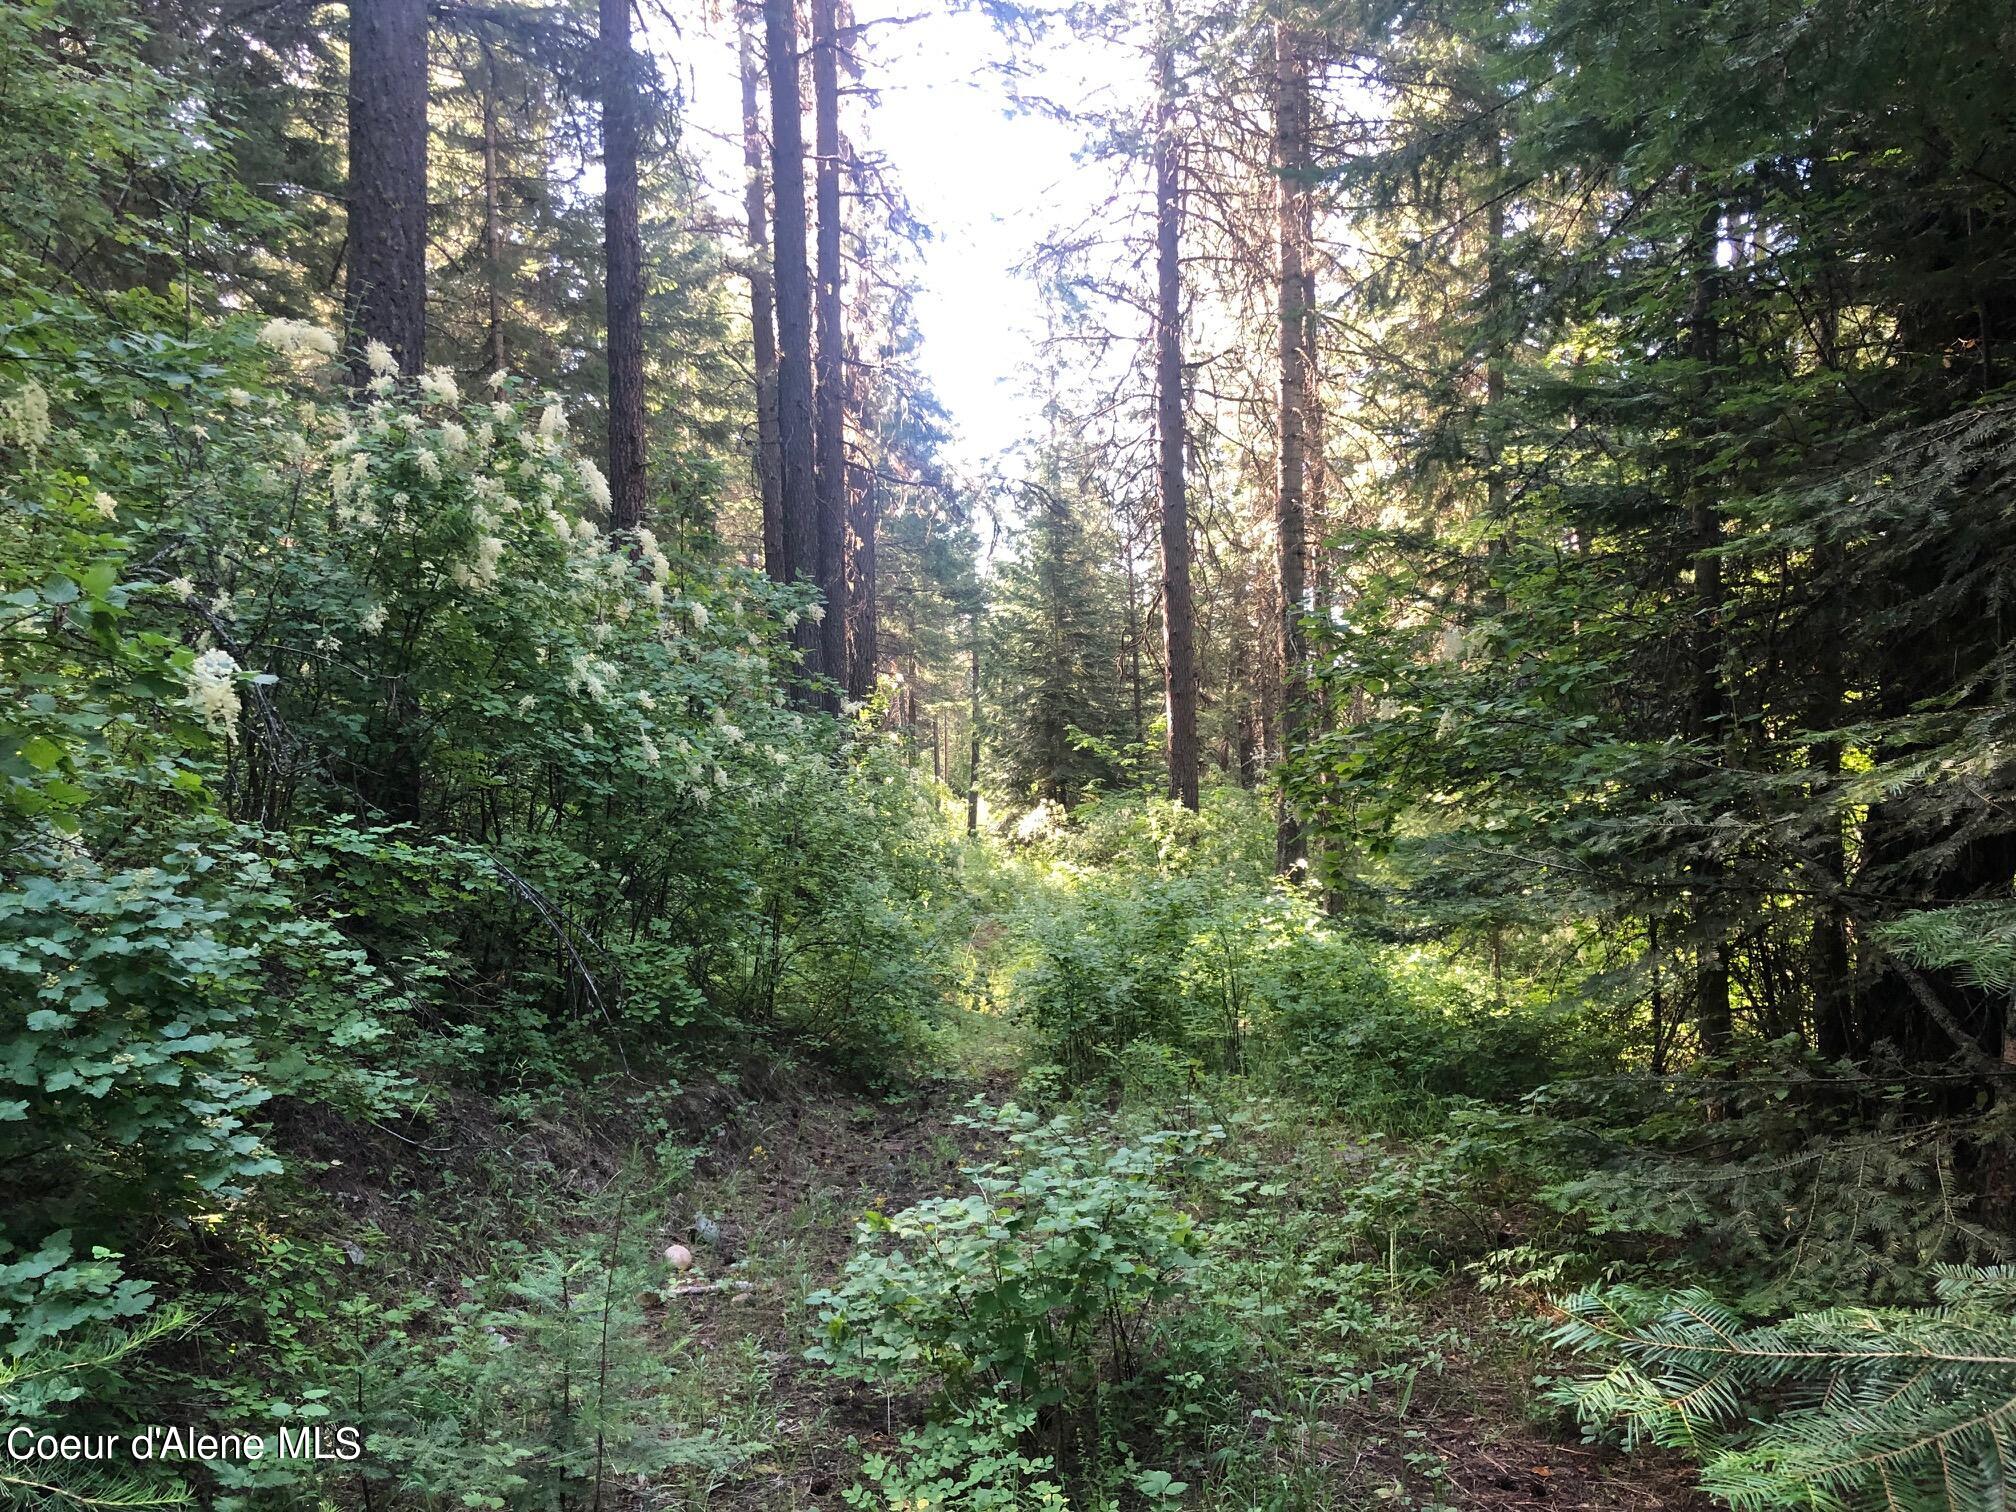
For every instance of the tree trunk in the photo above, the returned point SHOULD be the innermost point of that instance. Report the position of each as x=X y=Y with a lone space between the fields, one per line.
x=623 y=266
x=762 y=300
x=864 y=518
x=385 y=293
x=1709 y=711
x=1291 y=166
x=829 y=464
x=1497 y=294
x=973 y=719
x=794 y=316
x=493 y=214
x=1134 y=633
x=1178 y=628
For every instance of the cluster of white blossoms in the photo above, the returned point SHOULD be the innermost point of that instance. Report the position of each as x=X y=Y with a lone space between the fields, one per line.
x=481 y=570
x=653 y=555
x=509 y=461
x=298 y=338
x=212 y=681
x=347 y=482
x=587 y=675
x=378 y=357
x=438 y=386
x=24 y=417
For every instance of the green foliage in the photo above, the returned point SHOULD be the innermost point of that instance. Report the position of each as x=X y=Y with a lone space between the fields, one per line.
x=974 y=1461
x=550 y=1382
x=1976 y=942
x=53 y=1292
x=43 y=1384
x=1672 y=618
x=155 y=1038
x=348 y=767
x=1053 y=647
x=1793 y=1220
x=1027 y=1290
x=387 y=769
x=1155 y=947
x=1840 y=1408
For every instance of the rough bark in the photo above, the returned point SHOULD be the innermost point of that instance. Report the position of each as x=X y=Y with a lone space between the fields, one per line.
x=794 y=313
x=829 y=459
x=1135 y=630
x=762 y=297
x=623 y=265
x=1178 y=612
x=385 y=293
x=864 y=520
x=493 y=215
x=1292 y=231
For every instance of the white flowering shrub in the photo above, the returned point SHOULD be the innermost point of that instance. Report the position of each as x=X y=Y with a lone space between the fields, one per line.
x=344 y=753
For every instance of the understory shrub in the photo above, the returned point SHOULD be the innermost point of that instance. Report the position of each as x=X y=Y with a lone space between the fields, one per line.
x=1156 y=947
x=1018 y=1306
x=1032 y=1287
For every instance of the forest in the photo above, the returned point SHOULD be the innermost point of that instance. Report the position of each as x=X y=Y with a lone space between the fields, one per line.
x=1007 y=755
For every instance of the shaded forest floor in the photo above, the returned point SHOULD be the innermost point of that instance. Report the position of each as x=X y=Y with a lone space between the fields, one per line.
x=1440 y=1413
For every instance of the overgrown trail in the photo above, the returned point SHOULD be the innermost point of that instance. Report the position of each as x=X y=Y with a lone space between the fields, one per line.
x=784 y=1185
x=1435 y=1411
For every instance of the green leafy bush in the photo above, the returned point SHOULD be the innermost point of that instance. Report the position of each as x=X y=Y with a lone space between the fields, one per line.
x=1156 y=946
x=1029 y=1289
x=348 y=767
x=974 y=1461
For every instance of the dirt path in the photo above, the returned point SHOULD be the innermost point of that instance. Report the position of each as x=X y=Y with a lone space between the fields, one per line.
x=783 y=1186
